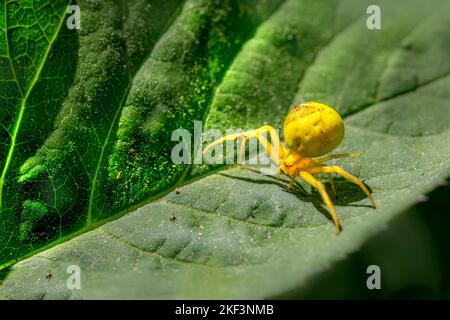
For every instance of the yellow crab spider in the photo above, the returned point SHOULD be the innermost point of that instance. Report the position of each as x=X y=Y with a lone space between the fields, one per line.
x=311 y=130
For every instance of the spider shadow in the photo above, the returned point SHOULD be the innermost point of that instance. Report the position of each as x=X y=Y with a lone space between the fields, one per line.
x=347 y=192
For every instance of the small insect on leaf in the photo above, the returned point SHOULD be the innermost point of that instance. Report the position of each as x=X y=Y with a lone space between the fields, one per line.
x=173 y=218
x=49 y=275
x=177 y=191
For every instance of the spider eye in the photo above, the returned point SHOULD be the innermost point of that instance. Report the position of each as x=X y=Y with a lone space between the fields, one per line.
x=313 y=129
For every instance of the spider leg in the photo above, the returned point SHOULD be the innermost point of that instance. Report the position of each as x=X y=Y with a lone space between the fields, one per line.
x=330 y=177
x=308 y=177
x=231 y=137
x=241 y=157
x=346 y=175
x=335 y=156
x=274 y=149
x=280 y=150
x=276 y=146
x=291 y=183
x=277 y=174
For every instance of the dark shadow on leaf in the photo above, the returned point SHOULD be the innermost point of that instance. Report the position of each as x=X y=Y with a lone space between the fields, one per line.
x=347 y=192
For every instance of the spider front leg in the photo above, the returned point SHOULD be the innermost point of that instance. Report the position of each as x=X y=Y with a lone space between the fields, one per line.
x=338 y=170
x=308 y=177
x=275 y=150
x=291 y=184
x=230 y=137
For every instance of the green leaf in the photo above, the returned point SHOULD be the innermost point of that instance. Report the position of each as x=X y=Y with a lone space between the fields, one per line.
x=70 y=180
x=62 y=136
x=237 y=233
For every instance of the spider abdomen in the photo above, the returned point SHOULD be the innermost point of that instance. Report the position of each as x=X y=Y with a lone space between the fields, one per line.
x=313 y=129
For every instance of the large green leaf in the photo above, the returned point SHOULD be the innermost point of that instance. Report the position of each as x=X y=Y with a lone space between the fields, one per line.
x=238 y=234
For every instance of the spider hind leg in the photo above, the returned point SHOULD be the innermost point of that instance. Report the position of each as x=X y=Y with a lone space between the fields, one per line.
x=338 y=170
x=309 y=178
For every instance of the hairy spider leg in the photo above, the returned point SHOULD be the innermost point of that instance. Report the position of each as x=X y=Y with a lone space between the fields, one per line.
x=308 y=178
x=338 y=170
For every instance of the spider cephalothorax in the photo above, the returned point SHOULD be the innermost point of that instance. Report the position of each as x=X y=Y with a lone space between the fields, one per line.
x=311 y=130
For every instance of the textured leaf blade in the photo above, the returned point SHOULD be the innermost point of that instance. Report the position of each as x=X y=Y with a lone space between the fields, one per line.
x=54 y=187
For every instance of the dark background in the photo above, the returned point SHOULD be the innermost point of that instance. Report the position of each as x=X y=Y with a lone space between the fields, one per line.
x=413 y=254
